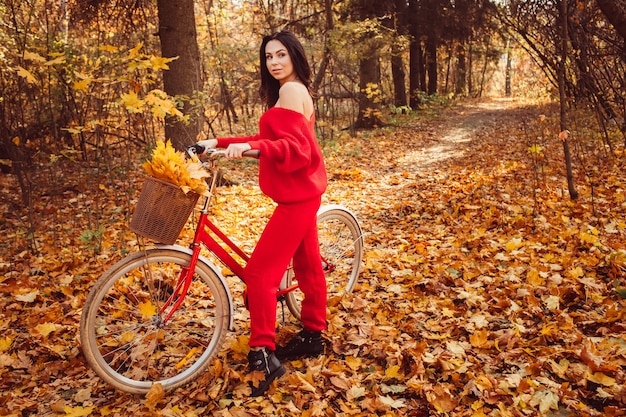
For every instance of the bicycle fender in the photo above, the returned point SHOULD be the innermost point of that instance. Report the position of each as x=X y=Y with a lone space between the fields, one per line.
x=328 y=207
x=213 y=268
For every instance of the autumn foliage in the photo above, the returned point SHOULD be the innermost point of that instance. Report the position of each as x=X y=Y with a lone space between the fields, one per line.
x=173 y=166
x=486 y=291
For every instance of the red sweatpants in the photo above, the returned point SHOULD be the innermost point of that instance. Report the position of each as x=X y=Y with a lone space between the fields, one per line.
x=290 y=233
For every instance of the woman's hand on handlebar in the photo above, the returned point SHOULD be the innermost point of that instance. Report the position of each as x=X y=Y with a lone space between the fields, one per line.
x=237 y=150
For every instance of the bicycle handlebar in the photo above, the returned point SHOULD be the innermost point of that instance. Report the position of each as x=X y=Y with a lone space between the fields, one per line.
x=198 y=149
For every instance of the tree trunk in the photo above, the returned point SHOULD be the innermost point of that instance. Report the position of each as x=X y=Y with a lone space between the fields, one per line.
x=369 y=94
x=399 y=88
x=177 y=31
x=330 y=24
x=431 y=60
x=483 y=73
x=415 y=53
x=461 y=82
x=563 y=102
x=399 y=25
x=415 y=73
x=508 y=70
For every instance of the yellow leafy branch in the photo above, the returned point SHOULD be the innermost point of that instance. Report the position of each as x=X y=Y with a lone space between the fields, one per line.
x=172 y=166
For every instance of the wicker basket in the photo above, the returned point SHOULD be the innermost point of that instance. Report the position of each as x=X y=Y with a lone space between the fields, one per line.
x=162 y=211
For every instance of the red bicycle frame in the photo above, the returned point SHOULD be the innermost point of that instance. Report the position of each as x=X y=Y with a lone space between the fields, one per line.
x=204 y=237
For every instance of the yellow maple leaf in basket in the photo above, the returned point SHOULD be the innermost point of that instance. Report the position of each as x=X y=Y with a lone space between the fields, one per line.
x=172 y=166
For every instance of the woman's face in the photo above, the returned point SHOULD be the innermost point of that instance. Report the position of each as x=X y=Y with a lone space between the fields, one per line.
x=278 y=62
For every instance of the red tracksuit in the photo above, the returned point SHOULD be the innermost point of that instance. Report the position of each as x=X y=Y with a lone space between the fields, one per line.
x=292 y=173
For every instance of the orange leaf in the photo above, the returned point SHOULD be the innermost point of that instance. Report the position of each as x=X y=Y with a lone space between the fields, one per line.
x=156 y=394
x=479 y=338
x=588 y=354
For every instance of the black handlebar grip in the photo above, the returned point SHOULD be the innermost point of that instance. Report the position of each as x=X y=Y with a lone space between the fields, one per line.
x=197 y=149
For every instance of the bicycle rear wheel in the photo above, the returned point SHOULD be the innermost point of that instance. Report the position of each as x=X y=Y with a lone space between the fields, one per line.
x=124 y=336
x=341 y=247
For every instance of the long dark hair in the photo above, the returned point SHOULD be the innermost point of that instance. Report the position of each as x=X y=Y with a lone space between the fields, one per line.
x=270 y=85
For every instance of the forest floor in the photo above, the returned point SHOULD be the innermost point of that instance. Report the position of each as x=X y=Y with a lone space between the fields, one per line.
x=486 y=291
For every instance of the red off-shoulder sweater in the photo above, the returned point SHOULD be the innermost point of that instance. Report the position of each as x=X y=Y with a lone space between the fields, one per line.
x=291 y=166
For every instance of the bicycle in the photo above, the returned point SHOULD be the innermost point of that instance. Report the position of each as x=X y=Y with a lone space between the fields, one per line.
x=161 y=314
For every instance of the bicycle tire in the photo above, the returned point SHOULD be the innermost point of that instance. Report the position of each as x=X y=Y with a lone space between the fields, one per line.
x=342 y=246
x=123 y=336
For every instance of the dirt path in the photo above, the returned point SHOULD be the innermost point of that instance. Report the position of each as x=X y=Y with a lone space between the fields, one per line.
x=398 y=163
x=452 y=135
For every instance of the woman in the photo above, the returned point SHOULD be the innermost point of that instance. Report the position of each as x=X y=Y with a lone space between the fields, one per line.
x=292 y=173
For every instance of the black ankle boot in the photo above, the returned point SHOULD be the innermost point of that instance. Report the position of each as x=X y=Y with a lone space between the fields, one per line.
x=264 y=360
x=304 y=344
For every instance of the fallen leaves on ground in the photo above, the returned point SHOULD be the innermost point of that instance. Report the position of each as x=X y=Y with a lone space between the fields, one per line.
x=485 y=290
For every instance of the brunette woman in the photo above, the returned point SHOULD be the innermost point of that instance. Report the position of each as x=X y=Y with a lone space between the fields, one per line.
x=292 y=173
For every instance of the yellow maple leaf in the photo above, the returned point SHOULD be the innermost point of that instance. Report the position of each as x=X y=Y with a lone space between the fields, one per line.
x=240 y=345
x=392 y=372
x=5 y=343
x=81 y=85
x=559 y=368
x=55 y=61
x=33 y=56
x=353 y=363
x=147 y=309
x=479 y=338
x=45 y=329
x=590 y=238
x=161 y=104
x=533 y=278
x=513 y=244
x=27 y=75
x=550 y=330
x=132 y=103
x=127 y=337
x=78 y=411
x=196 y=171
x=441 y=399
x=600 y=378
x=305 y=382
x=576 y=272
x=159 y=62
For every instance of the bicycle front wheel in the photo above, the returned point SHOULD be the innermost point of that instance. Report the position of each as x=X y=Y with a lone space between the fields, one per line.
x=124 y=335
x=341 y=247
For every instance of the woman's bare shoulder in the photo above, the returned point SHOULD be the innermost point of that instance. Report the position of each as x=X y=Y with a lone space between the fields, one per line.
x=293 y=87
x=295 y=96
